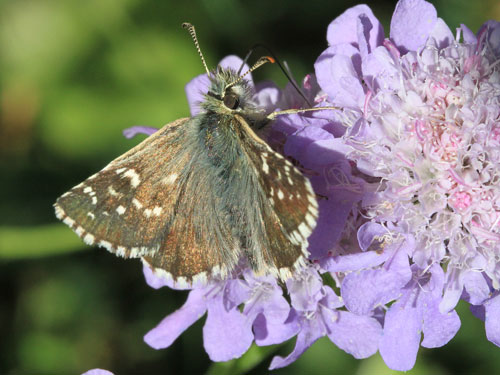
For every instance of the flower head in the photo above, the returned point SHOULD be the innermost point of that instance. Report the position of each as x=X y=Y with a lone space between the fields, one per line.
x=424 y=139
x=408 y=179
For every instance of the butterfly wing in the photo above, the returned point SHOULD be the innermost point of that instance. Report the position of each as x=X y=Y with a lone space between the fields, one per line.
x=285 y=208
x=155 y=202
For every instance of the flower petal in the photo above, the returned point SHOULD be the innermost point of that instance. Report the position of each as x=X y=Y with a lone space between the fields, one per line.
x=356 y=334
x=442 y=34
x=266 y=297
x=165 y=333
x=226 y=334
x=453 y=290
x=400 y=341
x=296 y=144
x=476 y=287
x=269 y=333
x=235 y=63
x=268 y=95
x=380 y=71
x=195 y=92
x=305 y=290
x=357 y=288
x=411 y=24
x=338 y=77
x=492 y=319
x=310 y=332
x=344 y=29
x=134 y=130
x=369 y=233
x=493 y=36
x=354 y=262
x=438 y=328
x=468 y=34
x=97 y=371
x=333 y=215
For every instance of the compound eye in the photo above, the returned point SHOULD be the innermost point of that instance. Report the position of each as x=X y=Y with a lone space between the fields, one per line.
x=231 y=101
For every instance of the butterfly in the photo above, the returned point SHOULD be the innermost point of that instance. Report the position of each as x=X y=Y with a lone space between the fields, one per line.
x=201 y=195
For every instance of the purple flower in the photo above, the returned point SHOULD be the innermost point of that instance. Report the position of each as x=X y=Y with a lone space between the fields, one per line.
x=408 y=178
x=424 y=110
x=97 y=371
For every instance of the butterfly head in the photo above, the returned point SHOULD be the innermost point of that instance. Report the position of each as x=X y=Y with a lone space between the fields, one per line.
x=229 y=94
x=225 y=96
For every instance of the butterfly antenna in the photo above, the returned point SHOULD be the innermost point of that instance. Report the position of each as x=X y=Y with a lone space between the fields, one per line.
x=263 y=60
x=192 y=32
x=287 y=75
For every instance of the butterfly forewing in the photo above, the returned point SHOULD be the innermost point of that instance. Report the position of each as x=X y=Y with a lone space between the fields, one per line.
x=155 y=201
x=286 y=204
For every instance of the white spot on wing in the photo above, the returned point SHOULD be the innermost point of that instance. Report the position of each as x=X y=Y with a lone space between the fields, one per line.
x=94 y=200
x=265 y=167
x=162 y=274
x=310 y=220
x=293 y=240
x=170 y=179
x=200 y=279
x=120 y=209
x=280 y=194
x=121 y=251
x=304 y=230
x=134 y=177
x=147 y=212
x=89 y=239
x=134 y=252
x=87 y=189
x=285 y=273
x=79 y=230
x=157 y=210
x=181 y=282
x=91 y=215
x=59 y=212
x=301 y=261
x=68 y=221
x=312 y=200
x=120 y=170
x=219 y=271
x=137 y=204
x=112 y=191
x=296 y=236
x=106 y=245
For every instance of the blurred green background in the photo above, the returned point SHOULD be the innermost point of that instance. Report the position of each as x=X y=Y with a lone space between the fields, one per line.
x=73 y=75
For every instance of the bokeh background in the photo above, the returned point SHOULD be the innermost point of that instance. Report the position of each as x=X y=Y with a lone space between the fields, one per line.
x=73 y=75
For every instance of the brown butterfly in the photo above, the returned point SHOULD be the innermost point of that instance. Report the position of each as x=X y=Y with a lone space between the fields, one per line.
x=201 y=195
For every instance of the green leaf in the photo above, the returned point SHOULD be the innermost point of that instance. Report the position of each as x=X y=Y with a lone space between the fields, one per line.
x=40 y=241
